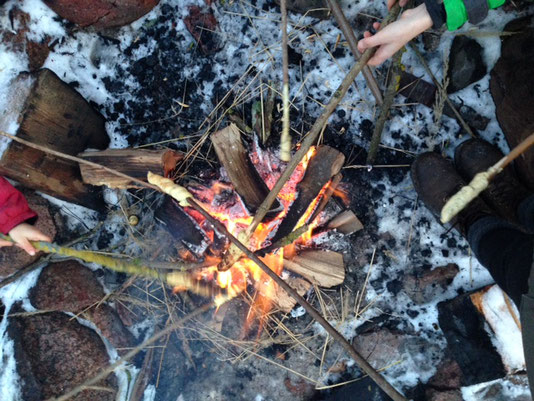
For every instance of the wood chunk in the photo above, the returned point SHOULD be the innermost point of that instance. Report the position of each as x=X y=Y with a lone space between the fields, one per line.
x=133 y=162
x=325 y=163
x=285 y=302
x=323 y=268
x=346 y=223
x=46 y=111
x=243 y=175
x=180 y=225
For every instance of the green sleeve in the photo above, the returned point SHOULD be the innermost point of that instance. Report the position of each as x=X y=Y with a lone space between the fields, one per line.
x=457 y=13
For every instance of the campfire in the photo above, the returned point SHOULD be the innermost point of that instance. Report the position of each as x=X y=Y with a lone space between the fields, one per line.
x=284 y=240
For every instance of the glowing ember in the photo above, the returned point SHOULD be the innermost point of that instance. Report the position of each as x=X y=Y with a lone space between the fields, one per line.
x=224 y=204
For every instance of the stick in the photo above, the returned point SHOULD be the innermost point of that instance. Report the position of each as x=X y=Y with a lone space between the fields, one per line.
x=438 y=85
x=391 y=91
x=178 y=279
x=480 y=182
x=285 y=140
x=317 y=127
x=347 y=31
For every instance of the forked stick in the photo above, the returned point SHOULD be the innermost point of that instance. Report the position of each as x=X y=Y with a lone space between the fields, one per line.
x=480 y=182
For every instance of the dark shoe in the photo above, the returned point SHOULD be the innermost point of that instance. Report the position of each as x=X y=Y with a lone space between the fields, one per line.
x=435 y=181
x=505 y=192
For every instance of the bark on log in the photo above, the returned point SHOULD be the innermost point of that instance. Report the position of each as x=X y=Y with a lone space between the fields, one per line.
x=323 y=268
x=246 y=180
x=46 y=111
x=133 y=162
x=325 y=163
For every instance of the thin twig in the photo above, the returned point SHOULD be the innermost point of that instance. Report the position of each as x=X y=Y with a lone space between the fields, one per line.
x=285 y=140
x=345 y=27
x=391 y=91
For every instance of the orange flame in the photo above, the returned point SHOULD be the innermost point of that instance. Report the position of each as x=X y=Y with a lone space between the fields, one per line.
x=236 y=219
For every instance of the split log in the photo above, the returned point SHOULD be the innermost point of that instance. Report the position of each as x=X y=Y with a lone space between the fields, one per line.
x=246 y=180
x=180 y=226
x=133 y=162
x=46 y=111
x=324 y=164
x=346 y=223
x=323 y=268
x=417 y=90
x=285 y=302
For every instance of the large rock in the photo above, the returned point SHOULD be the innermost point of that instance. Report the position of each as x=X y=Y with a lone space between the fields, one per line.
x=71 y=287
x=67 y=286
x=466 y=65
x=101 y=13
x=13 y=258
x=429 y=285
x=512 y=88
x=55 y=353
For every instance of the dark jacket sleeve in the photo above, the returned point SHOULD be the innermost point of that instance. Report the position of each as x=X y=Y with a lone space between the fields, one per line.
x=14 y=208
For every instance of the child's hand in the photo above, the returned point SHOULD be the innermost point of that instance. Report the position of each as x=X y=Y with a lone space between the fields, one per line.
x=397 y=34
x=22 y=235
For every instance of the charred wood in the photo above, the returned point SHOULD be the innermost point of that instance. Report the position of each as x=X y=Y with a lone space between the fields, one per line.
x=325 y=163
x=246 y=180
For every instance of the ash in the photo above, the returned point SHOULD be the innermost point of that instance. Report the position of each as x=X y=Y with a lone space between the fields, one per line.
x=154 y=84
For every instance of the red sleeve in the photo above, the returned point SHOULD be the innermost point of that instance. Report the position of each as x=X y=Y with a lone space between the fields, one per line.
x=14 y=208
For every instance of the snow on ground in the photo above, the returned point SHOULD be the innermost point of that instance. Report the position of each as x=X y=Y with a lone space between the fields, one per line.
x=141 y=76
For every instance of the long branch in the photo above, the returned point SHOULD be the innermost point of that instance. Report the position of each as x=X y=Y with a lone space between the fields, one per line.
x=285 y=140
x=317 y=127
x=347 y=31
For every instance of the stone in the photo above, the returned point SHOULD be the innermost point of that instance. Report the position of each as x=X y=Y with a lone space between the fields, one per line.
x=466 y=64
x=429 y=285
x=111 y=326
x=55 y=353
x=66 y=286
x=13 y=258
x=101 y=13
x=449 y=395
x=512 y=89
x=447 y=377
x=71 y=287
x=364 y=389
x=468 y=343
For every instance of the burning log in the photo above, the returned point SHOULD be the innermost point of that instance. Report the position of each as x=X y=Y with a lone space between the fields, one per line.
x=323 y=268
x=246 y=180
x=52 y=114
x=324 y=164
x=180 y=225
x=133 y=162
x=346 y=223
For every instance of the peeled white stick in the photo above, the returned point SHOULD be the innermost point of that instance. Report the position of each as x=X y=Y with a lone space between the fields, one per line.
x=480 y=182
x=465 y=195
x=168 y=186
x=285 y=139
